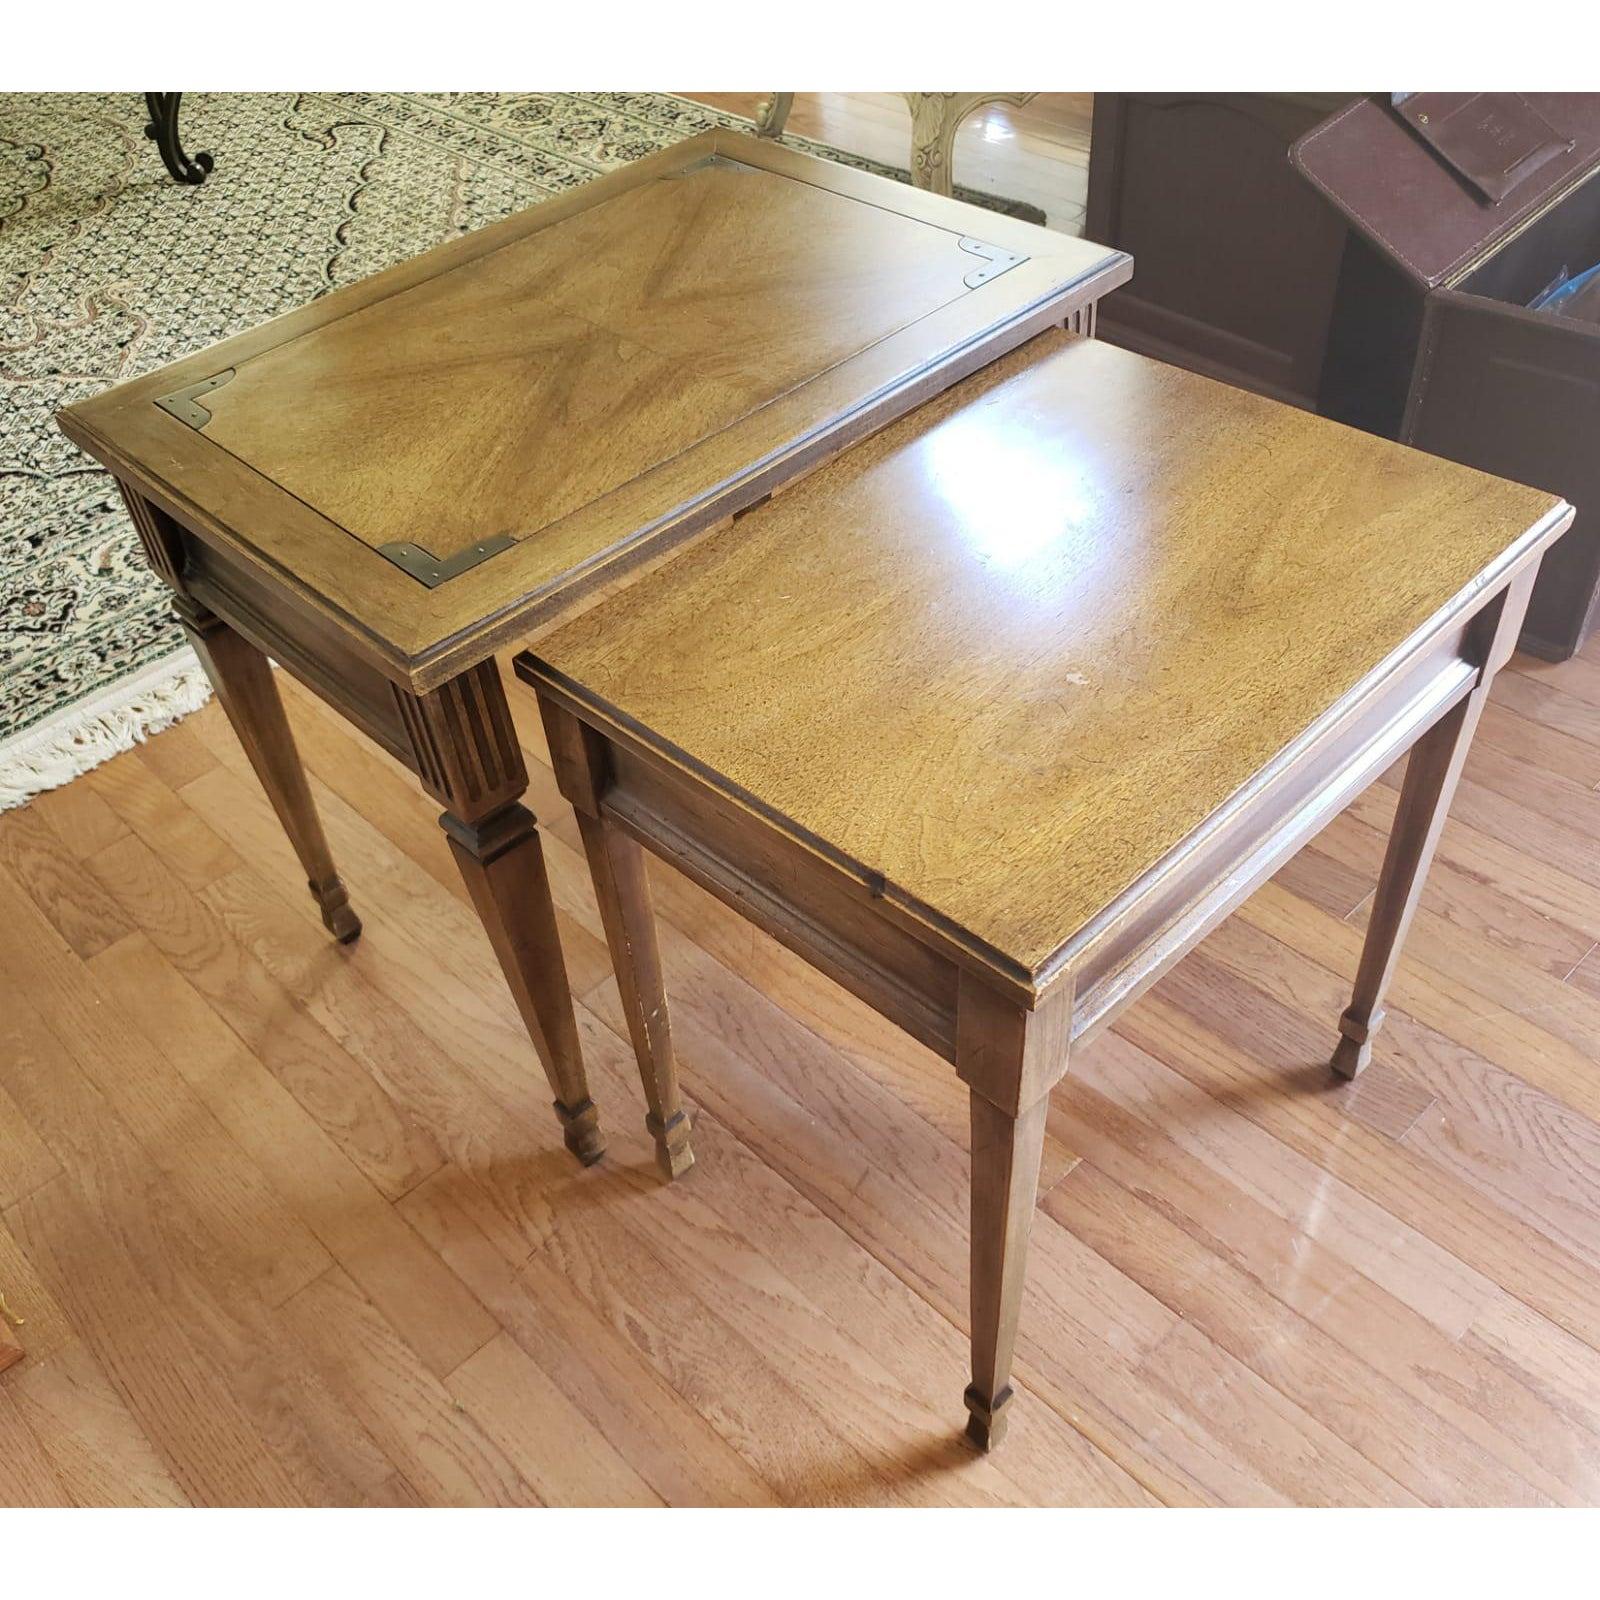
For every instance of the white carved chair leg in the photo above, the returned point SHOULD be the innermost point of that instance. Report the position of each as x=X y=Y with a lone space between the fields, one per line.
x=772 y=114
x=935 y=118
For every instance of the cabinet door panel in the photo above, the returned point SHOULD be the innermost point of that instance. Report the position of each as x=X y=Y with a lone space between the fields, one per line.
x=1517 y=393
x=1236 y=258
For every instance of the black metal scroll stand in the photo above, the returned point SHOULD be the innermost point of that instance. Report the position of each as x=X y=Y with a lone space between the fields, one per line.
x=163 y=128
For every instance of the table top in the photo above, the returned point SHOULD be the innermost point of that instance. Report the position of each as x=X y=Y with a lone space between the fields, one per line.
x=450 y=451
x=1003 y=658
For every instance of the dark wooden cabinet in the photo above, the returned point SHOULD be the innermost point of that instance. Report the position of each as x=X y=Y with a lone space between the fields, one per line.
x=1432 y=342
x=1236 y=260
x=1517 y=393
x=1383 y=292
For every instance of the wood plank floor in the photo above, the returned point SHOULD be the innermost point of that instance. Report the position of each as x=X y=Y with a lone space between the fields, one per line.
x=291 y=1223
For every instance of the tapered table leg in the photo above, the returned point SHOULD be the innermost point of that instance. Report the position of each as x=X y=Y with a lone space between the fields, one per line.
x=464 y=748
x=1010 y=1058
x=502 y=863
x=622 y=890
x=1005 y=1181
x=242 y=678
x=1432 y=771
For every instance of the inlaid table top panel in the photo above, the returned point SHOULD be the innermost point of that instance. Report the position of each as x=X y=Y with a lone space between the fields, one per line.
x=561 y=366
x=449 y=450
x=1006 y=657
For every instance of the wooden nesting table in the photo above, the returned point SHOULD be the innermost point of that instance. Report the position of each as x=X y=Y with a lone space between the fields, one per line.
x=384 y=487
x=999 y=713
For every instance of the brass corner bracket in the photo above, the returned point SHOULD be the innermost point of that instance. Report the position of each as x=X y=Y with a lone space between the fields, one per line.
x=184 y=404
x=995 y=261
x=426 y=567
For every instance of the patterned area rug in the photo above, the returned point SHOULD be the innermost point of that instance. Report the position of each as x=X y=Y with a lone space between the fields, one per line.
x=108 y=269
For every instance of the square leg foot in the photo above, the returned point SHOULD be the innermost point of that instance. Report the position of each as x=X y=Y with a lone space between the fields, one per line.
x=1354 y=1049
x=986 y=1423
x=581 y=1131
x=673 y=1154
x=1350 y=1058
x=338 y=916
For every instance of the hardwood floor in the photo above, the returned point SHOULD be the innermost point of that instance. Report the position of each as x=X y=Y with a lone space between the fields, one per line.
x=1038 y=153
x=330 y=1248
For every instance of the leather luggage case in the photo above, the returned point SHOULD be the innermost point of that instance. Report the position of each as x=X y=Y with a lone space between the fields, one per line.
x=1432 y=342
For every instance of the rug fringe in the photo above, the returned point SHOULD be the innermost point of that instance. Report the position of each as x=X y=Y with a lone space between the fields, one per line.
x=79 y=737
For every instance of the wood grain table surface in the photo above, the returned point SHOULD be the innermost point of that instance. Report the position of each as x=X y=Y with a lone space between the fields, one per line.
x=1008 y=654
x=553 y=398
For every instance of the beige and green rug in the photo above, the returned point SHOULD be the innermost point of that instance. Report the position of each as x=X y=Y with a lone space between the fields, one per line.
x=108 y=269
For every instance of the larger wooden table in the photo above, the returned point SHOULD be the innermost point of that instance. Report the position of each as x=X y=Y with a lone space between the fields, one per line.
x=382 y=488
x=997 y=715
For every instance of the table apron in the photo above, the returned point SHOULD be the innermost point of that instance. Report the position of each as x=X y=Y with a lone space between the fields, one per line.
x=1233 y=858
x=806 y=902
x=305 y=645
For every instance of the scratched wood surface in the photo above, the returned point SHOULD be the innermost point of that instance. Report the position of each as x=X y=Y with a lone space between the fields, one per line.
x=326 y=1245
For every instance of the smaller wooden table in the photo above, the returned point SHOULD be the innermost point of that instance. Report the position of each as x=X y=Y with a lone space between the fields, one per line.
x=999 y=713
